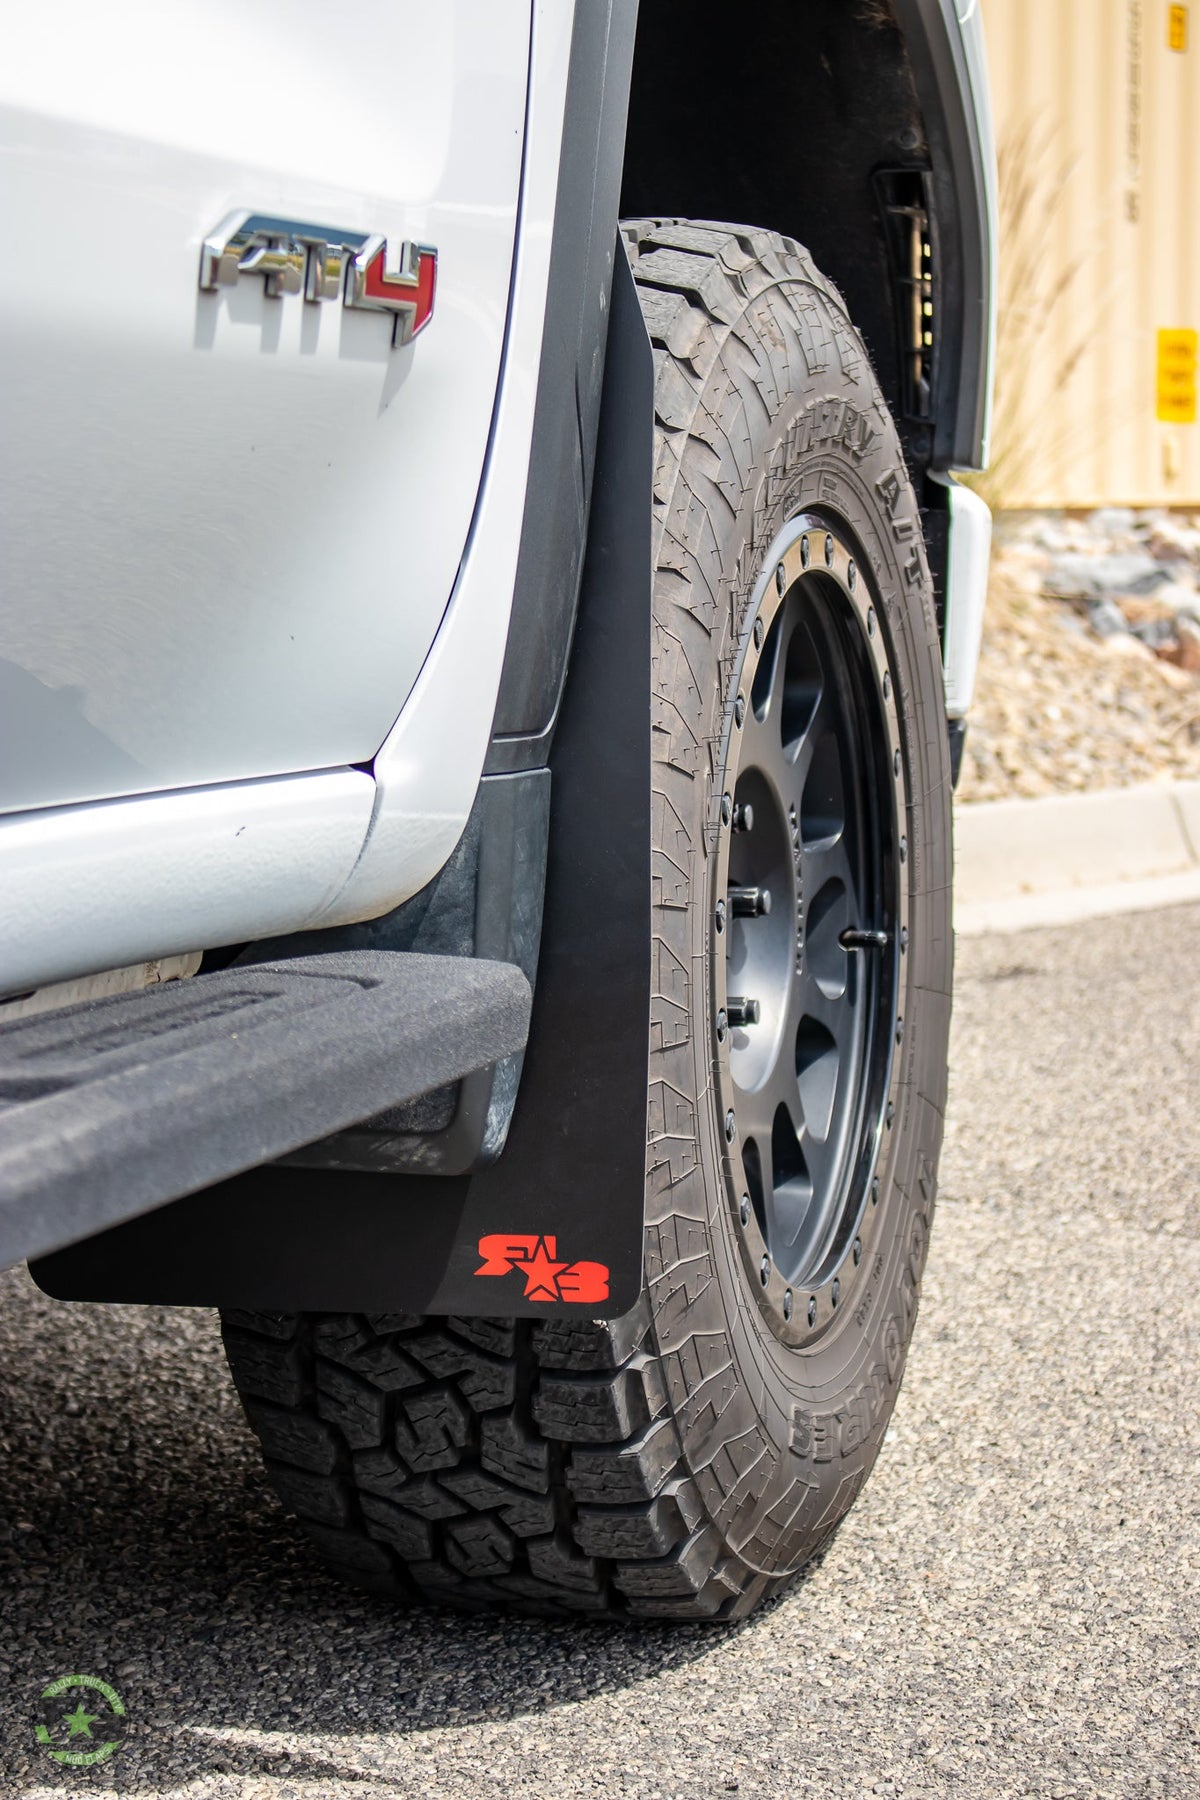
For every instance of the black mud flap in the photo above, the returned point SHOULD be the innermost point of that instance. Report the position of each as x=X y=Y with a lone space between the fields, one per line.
x=556 y=1223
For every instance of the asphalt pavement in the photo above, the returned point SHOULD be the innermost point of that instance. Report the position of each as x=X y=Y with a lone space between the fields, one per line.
x=1012 y=1608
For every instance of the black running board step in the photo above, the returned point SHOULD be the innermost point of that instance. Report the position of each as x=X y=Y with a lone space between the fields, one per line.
x=113 y=1107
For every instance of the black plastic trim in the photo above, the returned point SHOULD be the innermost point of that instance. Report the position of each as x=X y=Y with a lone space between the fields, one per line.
x=904 y=205
x=486 y=902
x=957 y=729
x=959 y=223
x=570 y=379
x=935 y=529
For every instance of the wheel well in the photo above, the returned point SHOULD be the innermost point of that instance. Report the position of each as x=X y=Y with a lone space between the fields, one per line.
x=803 y=119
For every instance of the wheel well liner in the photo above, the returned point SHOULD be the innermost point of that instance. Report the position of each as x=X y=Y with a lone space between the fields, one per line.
x=786 y=117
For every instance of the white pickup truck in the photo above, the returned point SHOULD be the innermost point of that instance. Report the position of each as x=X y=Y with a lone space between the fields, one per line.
x=484 y=650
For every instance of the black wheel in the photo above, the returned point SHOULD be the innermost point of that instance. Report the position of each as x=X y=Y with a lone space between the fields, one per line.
x=686 y=1460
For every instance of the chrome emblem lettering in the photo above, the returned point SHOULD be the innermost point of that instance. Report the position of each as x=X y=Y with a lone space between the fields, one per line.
x=294 y=257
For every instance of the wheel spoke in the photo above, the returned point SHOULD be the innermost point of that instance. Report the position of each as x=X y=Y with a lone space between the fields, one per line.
x=821 y=1156
x=788 y=1208
x=764 y=692
x=836 y=1016
x=821 y=725
x=830 y=910
x=756 y=1112
x=761 y=745
x=826 y=860
x=791 y=1193
x=782 y=1092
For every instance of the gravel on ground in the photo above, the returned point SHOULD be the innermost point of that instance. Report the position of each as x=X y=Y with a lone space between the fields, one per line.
x=1089 y=673
x=1010 y=1610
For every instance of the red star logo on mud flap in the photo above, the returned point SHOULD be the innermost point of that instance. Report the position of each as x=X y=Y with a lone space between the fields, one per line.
x=540 y=1272
x=546 y=1278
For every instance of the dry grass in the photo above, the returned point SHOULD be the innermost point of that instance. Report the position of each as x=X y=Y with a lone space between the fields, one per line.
x=1041 y=298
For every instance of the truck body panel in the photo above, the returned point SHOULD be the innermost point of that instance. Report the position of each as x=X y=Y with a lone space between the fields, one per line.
x=233 y=522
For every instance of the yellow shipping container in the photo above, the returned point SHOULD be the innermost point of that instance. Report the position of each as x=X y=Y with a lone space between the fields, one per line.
x=1097 y=106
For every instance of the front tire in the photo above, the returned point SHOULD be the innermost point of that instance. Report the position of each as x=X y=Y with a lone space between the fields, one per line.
x=688 y=1459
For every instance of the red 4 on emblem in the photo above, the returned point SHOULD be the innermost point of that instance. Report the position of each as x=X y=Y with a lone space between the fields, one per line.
x=323 y=262
x=547 y=1277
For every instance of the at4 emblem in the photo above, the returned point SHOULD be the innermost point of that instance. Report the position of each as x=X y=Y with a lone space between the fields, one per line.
x=324 y=263
x=546 y=1276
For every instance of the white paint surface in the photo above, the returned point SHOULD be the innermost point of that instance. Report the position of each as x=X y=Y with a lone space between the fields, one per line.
x=100 y=887
x=428 y=770
x=232 y=525
x=966 y=592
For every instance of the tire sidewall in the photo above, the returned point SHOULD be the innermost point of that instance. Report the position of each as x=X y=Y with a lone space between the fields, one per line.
x=810 y=1420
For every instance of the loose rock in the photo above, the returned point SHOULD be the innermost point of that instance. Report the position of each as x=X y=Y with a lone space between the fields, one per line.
x=1089 y=674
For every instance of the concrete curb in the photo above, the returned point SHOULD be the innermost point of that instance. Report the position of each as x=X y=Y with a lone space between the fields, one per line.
x=1020 y=863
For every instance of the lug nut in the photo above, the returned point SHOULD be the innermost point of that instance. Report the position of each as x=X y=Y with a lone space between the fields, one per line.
x=743 y=816
x=780 y=578
x=805 y=552
x=758 y=632
x=719 y=915
x=743 y=1011
x=812 y=1310
x=829 y=550
x=764 y=1270
x=749 y=902
x=730 y=1126
x=787 y=1304
x=727 y=809
x=745 y=1209
x=722 y=1025
x=739 y=710
x=851 y=575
